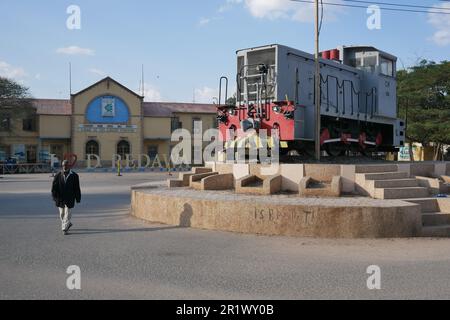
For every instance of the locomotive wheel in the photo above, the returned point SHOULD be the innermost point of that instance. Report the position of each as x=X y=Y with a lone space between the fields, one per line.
x=335 y=149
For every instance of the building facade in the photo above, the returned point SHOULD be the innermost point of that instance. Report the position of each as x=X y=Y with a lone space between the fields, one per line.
x=105 y=119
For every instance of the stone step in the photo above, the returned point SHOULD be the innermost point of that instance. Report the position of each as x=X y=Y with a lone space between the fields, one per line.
x=400 y=193
x=393 y=183
x=435 y=219
x=199 y=170
x=428 y=205
x=385 y=175
x=376 y=168
x=200 y=176
x=436 y=231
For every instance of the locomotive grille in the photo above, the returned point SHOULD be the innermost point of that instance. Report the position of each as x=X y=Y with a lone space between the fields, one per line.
x=255 y=85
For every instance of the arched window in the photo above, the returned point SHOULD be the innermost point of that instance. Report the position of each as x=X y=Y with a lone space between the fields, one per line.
x=92 y=147
x=123 y=148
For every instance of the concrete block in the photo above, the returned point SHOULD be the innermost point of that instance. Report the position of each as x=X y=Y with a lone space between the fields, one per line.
x=384 y=175
x=444 y=204
x=348 y=178
x=422 y=169
x=446 y=179
x=435 y=219
x=307 y=187
x=291 y=174
x=272 y=184
x=322 y=172
x=441 y=231
x=253 y=184
x=336 y=186
x=185 y=177
x=404 y=167
x=392 y=183
x=240 y=170
x=199 y=170
x=427 y=205
x=440 y=169
x=218 y=182
x=401 y=193
x=222 y=167
x=376 y=168
x=434 y=185
x=200 y=176
x=175 y=183
x=278 y=215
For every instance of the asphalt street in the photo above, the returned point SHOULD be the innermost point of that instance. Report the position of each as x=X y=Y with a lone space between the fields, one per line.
x=121 y=257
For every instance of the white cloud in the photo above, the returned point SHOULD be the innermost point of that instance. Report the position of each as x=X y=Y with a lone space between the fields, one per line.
x=205 y=95
x=75 y=50
x=97 y=72
x=286 y=9
x=441 y=22
x=9 y=71
x=151 y=93
x=228 y=5
x=204 y=21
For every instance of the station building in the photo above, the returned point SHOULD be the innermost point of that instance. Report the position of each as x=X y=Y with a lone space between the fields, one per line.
x=104 y=119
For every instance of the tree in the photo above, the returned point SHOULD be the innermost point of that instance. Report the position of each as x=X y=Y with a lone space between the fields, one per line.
x=15 y=102
x=424 y=97
x=231 y=101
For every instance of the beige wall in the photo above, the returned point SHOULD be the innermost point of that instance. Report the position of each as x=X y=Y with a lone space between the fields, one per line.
x=157 y=128
x=16 y=131
x=186 y=119
x=47 y=145
x=163 y=148
x=54 y=126
x=107 y=140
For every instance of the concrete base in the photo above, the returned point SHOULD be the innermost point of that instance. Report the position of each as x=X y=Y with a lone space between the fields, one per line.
x=286 y=215
x=310 y=187
x=255 y=184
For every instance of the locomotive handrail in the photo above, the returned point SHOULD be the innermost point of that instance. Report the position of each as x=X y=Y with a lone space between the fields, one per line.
x=220 y=89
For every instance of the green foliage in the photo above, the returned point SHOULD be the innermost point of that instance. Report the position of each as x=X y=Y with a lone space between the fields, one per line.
x=424 y=100
x=15 y=103
x=12 y=93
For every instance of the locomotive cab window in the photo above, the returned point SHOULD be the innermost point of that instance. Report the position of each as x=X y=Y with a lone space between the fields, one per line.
x=386 y=67
x=370 y=63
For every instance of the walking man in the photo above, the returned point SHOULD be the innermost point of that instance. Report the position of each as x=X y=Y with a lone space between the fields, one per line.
x=65 y=191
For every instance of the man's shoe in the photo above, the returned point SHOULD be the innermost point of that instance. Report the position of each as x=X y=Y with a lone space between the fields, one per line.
x=64 y=232
x=68 y=227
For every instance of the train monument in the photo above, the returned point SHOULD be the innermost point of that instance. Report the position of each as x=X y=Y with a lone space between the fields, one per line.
x=347 y=195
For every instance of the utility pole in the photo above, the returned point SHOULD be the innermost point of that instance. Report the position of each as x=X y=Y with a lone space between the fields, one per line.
x=317 y=84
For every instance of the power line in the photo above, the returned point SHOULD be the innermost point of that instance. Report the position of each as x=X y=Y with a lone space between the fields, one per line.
x=321 y=16
x=396 y=4
x=383 y=8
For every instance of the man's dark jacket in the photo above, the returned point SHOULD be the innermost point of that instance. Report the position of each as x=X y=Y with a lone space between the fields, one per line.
x=65 y=193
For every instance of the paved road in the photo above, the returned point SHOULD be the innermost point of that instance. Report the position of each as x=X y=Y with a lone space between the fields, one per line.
x=121 y=257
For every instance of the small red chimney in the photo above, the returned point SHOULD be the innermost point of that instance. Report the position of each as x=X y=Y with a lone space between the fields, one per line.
x=334 y=54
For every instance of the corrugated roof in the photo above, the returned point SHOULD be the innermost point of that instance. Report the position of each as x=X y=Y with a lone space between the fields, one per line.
x=167 y=109
x=150 y=109
x=52 y=106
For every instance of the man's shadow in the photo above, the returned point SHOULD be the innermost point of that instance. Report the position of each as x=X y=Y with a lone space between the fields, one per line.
x=185 y=216
x=184 y=222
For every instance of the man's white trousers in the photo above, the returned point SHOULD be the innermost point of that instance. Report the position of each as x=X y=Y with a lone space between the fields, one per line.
x=65 y=215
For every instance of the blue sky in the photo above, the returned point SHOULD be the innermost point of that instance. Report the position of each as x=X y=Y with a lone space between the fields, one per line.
x=186 y=46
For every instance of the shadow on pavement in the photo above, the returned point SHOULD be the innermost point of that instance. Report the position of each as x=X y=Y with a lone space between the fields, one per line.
x=99 y=231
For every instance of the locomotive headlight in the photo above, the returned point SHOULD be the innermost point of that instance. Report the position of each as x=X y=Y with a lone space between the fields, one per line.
x=276 y=109
x=231 y=112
